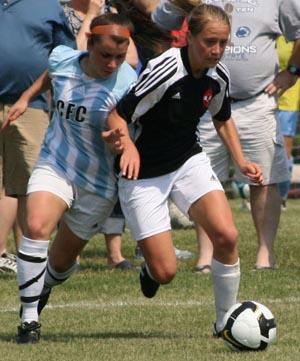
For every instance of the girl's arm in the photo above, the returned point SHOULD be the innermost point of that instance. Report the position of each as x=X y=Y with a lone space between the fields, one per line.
x=119 y=139
x=228 y=133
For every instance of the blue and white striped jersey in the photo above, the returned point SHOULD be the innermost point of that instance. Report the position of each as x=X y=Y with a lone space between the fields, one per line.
x=73 y=140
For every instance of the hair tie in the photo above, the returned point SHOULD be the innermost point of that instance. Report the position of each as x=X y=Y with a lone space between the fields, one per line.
x=111 y=29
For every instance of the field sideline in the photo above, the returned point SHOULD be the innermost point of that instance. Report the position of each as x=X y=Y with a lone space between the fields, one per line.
x=101 y=315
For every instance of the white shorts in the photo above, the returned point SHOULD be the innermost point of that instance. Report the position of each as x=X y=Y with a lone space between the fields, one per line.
x=145 y=201
x=87 y=211
x=260 y=136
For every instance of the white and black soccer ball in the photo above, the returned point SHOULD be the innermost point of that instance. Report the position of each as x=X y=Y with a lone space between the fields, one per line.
x=249 y=326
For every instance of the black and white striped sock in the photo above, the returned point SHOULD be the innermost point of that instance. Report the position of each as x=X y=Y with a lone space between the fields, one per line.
x=31 y=265
x=54 y=278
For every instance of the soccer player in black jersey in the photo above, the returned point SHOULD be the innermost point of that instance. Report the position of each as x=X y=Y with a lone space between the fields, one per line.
x=163 y=159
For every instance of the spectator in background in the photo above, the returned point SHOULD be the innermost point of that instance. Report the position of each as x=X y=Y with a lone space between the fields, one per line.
x=288 y=113
x=148 y=38
x=145 y=6
x=29 y=31
x=80 y=13
x=8 y=218
x=252 y=62
x=113 y=229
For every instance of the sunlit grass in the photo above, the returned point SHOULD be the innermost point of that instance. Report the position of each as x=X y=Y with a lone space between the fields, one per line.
x=101 y=315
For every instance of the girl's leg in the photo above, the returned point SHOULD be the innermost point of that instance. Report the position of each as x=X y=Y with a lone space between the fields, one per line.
x=65 y=248
x=79 y=224
x=160 y=262
x=44 y=210
x=205 y=250
x=62 y=260
x=213 y=213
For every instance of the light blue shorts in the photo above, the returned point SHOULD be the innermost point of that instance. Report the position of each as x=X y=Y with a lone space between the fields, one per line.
x=288 y=122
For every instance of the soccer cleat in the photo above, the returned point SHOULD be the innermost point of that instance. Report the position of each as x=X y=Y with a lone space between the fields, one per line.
x=29 y=332
x=8 y=263
x=149 y=286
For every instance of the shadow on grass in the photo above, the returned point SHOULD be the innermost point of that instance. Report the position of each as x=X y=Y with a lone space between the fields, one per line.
x=74 y=337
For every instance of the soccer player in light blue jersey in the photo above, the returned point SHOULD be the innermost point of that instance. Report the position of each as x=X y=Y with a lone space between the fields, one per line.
x=73 y=181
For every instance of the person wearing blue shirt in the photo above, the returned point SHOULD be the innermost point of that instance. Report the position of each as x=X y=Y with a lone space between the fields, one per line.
x=29 y=31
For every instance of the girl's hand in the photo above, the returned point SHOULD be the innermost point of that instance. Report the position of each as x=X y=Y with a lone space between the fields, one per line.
x=114 y=139
x=130 y=161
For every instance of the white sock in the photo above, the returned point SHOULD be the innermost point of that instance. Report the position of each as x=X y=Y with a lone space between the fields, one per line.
x=54 y=278
x=226 y=280
x=31 y=265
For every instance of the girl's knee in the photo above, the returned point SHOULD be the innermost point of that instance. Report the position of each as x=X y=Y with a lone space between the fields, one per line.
x=37 y=229
x=164 y=274
x=227 y=239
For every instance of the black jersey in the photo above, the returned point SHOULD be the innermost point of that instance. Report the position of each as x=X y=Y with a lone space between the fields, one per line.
x=165 y=106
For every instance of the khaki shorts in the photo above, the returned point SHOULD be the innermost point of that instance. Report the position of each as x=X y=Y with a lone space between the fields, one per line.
x=260 y=136
x=20 y=145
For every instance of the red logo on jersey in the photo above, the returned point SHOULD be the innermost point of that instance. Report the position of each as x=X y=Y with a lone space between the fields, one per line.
x=207 y=97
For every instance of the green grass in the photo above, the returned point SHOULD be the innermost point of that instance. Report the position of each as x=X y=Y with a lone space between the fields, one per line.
x=101 y=315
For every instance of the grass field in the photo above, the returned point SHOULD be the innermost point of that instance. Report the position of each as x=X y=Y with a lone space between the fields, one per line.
x=102 y=315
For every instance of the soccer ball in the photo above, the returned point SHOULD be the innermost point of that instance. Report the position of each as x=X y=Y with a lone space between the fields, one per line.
x=249 y=326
